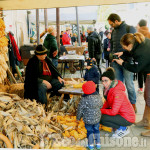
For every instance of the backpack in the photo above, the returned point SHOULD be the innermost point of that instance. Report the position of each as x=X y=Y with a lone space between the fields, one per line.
x=99 y=45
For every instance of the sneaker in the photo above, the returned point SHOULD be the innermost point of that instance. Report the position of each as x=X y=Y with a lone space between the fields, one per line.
x=119 y=133
x=140 y=90
x=98 y=146
x=90 y=147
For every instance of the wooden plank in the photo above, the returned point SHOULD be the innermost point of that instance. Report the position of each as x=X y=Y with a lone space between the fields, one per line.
x=11 y=75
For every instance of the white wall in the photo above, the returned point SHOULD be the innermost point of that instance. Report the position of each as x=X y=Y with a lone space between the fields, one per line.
x=16 y=22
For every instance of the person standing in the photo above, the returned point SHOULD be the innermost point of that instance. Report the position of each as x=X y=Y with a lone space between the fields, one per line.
x=51 y=44
x=62 y=32
x=74 y=39
x=66 y=40
x=89 y=109
x=138 y=47
x=142 y=28
x=83 y=37
x=94 y=46
x=107 y=47
x=122 y=74
x=92 y=73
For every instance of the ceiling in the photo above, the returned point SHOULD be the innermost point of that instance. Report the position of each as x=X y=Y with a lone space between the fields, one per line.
x=33 y=4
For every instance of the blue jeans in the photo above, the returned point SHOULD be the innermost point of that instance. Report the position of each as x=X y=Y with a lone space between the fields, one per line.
x=124 y=75
x=55 y=62
x=42 y=89
x=93 y=129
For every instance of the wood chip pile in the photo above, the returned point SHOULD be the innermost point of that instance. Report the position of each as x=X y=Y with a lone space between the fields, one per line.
x=26 y=124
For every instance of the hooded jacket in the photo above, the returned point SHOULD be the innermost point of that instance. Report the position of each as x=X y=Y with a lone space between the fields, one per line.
x=94 y=45
x=117 y=103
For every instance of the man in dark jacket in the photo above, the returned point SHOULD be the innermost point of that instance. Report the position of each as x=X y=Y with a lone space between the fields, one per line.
x=121 y=28
x=51 y=44
x=41 y=76
x=94 y=46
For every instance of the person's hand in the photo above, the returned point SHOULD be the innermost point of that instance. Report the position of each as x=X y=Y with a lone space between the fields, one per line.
x=94 y=59
x=49 y=86
x=119 y=61
x=118 y=54
x=61 y=80
x=55 y=53
x=108 y=49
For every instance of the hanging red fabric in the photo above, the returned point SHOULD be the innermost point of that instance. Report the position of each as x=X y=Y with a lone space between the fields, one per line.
x=15 y=47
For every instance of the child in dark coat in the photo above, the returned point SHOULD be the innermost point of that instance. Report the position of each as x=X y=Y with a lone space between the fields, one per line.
x=89 y=108
x=92 y=73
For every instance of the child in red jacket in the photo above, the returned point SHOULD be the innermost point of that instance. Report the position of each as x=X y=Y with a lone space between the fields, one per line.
x=117 y=111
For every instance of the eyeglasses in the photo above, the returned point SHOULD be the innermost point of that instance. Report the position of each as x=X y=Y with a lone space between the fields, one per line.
x=104 y=81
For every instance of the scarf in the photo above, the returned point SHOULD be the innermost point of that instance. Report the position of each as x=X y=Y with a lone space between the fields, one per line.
x=46 y=70
x=106 y=90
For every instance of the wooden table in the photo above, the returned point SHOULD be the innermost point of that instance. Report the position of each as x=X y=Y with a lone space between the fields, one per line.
x=69 y=90
x=71 y=59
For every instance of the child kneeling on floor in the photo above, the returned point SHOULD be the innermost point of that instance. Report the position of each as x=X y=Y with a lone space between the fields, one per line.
x=89 y=108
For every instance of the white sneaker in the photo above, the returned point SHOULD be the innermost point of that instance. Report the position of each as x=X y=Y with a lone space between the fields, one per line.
x=120 y=133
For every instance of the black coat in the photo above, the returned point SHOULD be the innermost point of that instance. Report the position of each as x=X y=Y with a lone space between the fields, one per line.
x=141 y=57
x=116 y=36
x=106 y=53
x=94 y=45
x=32 y=74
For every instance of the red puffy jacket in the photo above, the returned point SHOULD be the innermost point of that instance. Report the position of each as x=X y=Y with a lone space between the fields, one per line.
x=66 y=40
x=118 y=103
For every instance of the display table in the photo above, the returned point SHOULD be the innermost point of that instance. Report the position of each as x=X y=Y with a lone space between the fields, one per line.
x=69 y=90
x=71 y=59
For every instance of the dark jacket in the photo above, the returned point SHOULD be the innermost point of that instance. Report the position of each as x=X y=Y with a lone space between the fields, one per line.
x=89 y=108
x=141 y=56
x=94 y=45
x=106 y=53
x=73 y=39
x=50 y=44
x=32 y=75
x=117 y=33
x=92 y=75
